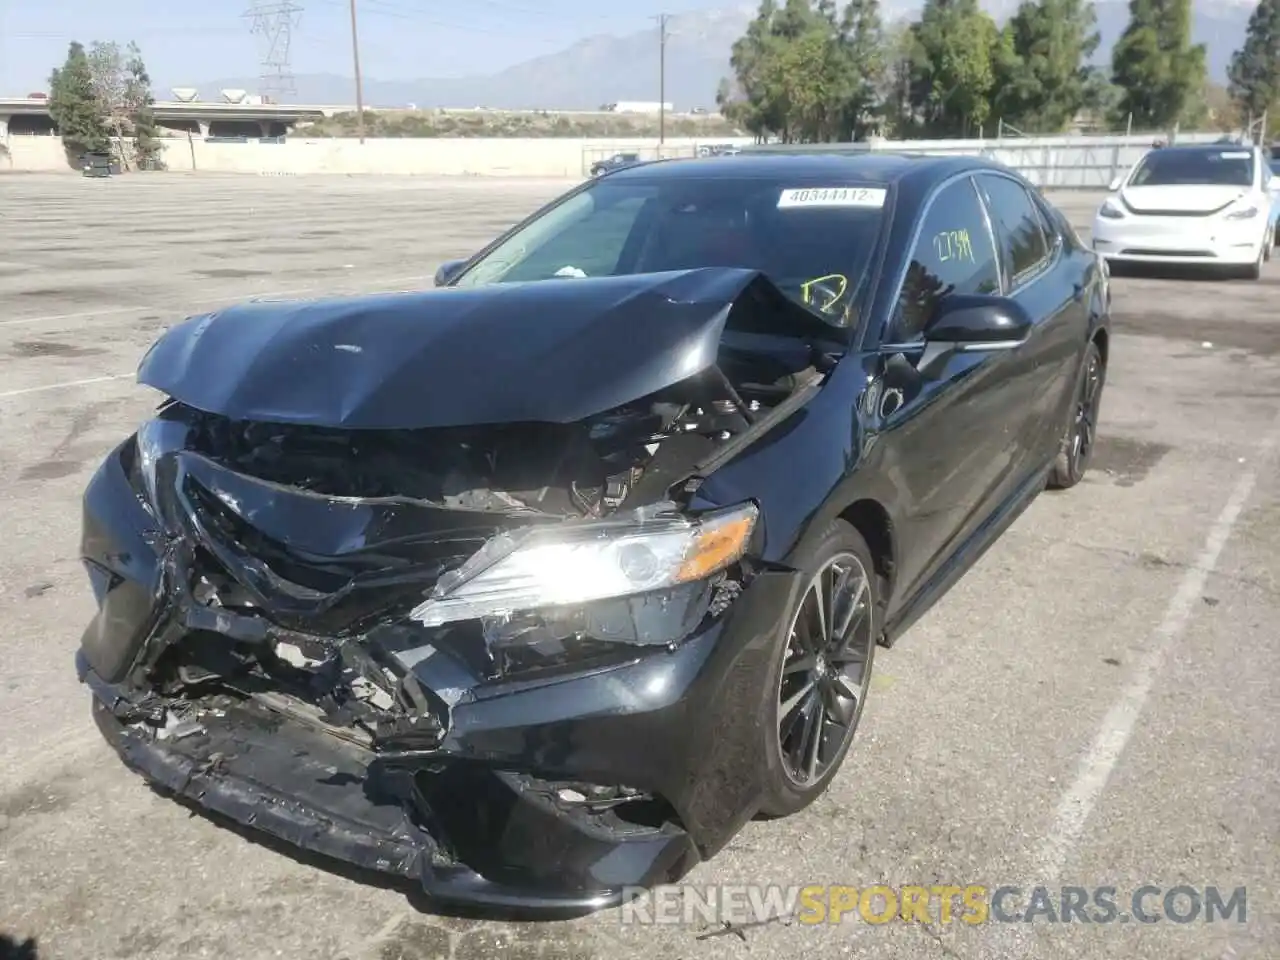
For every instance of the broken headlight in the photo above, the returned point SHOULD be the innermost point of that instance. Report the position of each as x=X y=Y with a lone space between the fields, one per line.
x=573 y=564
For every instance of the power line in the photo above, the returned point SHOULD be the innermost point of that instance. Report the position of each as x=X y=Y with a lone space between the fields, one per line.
x=273 y=22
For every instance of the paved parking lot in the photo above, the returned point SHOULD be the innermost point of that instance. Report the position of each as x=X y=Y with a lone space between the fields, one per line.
x=1096 y=704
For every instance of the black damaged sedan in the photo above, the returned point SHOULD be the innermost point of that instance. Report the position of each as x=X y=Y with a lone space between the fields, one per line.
x=534 y=588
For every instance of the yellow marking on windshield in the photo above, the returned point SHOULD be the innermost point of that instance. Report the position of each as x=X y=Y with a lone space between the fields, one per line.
x=839 y=280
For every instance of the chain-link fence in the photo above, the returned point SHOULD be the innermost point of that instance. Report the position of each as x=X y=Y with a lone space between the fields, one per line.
x=594 y=154
x=1071 y=162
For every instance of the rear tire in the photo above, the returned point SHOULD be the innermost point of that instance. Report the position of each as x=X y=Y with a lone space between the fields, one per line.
x=1082 y=429
x=822 y=670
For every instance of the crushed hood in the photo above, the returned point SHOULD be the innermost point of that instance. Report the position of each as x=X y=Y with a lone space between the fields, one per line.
x=551 y=350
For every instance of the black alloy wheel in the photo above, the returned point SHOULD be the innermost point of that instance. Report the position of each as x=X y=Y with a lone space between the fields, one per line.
x=1082 y=432
x=825 y=671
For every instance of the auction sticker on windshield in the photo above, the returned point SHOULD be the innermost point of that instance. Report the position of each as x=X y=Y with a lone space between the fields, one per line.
x=832 y=197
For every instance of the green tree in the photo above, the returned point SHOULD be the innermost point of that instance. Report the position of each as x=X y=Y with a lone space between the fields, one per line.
x=138 y=104
x=953 y=72
x=1255 y=68
x=1159 y=71
x=753 y=107
x=805 y=70
x=865 y=66
x=901 y=120
x=73 y=105
x=1043 y=77
x=106 y=69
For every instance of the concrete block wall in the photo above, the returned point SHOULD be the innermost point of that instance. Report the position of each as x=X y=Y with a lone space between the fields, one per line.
x=534 y=157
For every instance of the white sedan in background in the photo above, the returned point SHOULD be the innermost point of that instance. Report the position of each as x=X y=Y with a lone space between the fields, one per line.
x=1203 y=205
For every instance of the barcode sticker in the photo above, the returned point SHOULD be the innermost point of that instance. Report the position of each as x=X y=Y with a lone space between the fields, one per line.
x=832 y=197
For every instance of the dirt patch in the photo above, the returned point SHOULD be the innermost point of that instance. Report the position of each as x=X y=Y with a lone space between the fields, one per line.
x=51 y=470
x=37 y=799
x=26 y=349
x=1126 y=460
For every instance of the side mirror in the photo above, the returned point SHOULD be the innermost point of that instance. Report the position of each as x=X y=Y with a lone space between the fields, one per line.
x=978 y=323
x=1115 y=184
x=447 y=271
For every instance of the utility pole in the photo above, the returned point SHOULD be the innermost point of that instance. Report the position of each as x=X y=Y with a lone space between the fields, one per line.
x=355 y=57
x=662 y=78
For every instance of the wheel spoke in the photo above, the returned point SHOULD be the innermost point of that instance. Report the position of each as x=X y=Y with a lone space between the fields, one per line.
x=799 y=665
x=856 y=608
x=840 y=698
x=819 y=591
x=813 y=734
x=800 y=750
x=805 y=630
x=796 y=699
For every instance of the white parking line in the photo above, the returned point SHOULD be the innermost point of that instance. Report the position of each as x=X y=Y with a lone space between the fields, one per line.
x=110 y=311
x=64 y=385
x=1077 y=803
x=1014 y=940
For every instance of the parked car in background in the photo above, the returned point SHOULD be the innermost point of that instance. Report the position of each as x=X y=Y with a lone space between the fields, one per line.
x=98 y=165
x=1203 y=204
x=1275 y=196
x=617 y=162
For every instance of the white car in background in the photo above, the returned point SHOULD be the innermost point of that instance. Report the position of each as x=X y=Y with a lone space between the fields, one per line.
x=1203 y=205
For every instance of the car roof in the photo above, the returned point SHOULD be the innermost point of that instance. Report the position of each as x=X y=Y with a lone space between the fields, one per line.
x=1204 y=147
x=877 y=168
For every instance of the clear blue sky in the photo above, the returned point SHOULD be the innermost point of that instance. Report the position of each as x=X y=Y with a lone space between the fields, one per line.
x=186 y=43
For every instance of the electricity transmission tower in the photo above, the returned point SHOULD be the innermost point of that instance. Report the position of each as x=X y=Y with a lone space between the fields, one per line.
x=272 y=21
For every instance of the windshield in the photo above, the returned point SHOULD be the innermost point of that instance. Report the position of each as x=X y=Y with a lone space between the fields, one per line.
x=1220 y=167
x=812 y=241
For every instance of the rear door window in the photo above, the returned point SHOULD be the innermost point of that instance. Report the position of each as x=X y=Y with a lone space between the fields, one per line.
x=1020 y=228
x=953 y=254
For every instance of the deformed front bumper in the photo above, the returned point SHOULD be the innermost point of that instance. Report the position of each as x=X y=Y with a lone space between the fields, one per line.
x=478 y=820
x=304 y=789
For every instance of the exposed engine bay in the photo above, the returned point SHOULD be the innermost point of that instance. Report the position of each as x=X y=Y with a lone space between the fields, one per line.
x=307 y=625
x=586 y=469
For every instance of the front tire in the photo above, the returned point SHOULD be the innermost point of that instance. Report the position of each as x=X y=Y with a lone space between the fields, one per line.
x=1077 y=445
x=822 y=673
x=1254 y=270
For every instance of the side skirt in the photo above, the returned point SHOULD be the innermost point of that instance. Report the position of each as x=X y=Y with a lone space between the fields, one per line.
x=964 y=558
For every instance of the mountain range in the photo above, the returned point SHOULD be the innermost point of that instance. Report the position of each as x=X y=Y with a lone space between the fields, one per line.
x=605 y=69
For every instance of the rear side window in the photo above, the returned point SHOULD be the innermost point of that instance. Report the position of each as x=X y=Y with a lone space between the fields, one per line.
x=1020 y=228
x=954 y=254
